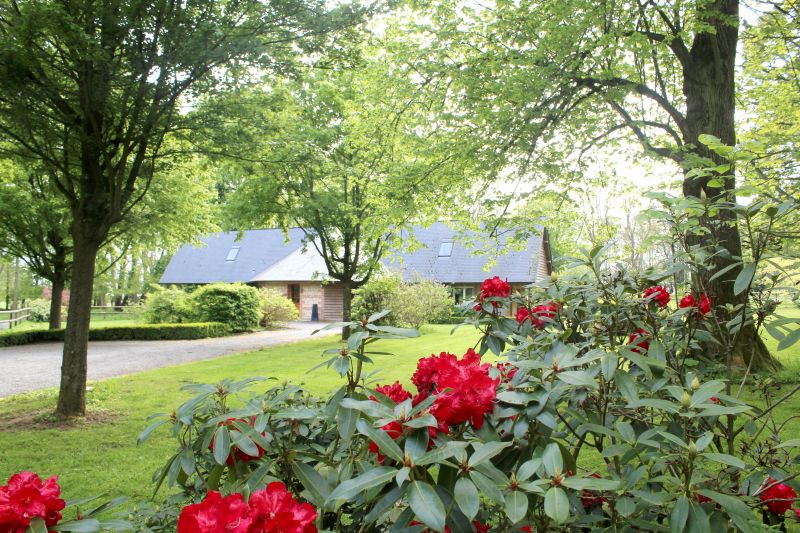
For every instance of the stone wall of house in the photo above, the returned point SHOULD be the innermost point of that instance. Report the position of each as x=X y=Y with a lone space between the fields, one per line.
x=327 y=297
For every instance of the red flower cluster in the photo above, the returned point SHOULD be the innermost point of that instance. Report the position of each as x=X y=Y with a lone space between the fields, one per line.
x=271 y=510
x=236 y=453
x=778 y=497
x=639 y=340
x=507 y=372
x=26 y=497
x=472 y=391
x=703 y=308
x=658 y=294
x=494 y=287
x=538 y=314
x=590 y=499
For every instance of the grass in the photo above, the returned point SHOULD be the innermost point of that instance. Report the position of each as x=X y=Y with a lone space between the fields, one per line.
x=98 y=321
x=100 y=455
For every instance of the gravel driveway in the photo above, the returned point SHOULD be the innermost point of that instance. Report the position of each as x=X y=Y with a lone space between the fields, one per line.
x=38 y=366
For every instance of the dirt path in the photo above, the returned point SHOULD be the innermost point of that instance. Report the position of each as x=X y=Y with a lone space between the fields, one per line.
x=37 y=366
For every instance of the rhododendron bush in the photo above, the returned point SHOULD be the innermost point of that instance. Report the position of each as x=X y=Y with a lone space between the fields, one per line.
x=589 y=404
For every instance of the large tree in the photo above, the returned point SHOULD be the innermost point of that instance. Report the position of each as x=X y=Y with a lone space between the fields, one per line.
x=34 y=221
x=350 y=157
x=531 y=75
x=91 y=88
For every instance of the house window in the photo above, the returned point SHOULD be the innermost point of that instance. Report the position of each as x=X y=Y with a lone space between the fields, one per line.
x=446 y=249
x=462 y=294
x=232 y=254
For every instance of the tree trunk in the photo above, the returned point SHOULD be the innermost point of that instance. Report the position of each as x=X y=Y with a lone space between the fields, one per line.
x=709 y=87
x=347 y=302
x=55 y=301
x=72 y=394
x=15 y=301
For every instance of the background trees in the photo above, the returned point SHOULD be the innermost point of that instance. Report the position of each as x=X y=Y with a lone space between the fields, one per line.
x=351 y=157
x=90 y=89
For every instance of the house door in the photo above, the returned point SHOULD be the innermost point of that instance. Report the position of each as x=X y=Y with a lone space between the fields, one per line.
x=294 y=294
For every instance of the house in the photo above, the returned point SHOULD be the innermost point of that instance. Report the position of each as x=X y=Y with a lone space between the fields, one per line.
x=270 y=258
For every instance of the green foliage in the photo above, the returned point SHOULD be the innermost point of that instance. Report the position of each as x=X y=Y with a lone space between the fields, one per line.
x=145 y=332
x=276 y=308
x=235 y=304
x=420 y=302
x=375 y=296
x=39 y=310
x=170 y=306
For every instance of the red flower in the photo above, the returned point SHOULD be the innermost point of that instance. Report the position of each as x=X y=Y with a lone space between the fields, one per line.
x=778 y=497
x=640 y=341
x=495 y=287
x=540 y=312
x=715 y=400
x=27 y=497
x=523 y=314
x=274 y=510
x=215 y=514
x=472 y=391
x=690 y=301
x=658 y=294
x=507 y=372
x=394 y=392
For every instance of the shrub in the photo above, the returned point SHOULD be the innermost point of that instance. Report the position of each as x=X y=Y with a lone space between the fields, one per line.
x=39 y=310
x=420 y=302
x=235 y=304
x=276 y=308
x=145 y=332
x=607 y=412
x=167 y=306
x=374 y=297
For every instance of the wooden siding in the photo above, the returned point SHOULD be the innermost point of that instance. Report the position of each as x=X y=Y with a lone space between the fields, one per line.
x=332 y=299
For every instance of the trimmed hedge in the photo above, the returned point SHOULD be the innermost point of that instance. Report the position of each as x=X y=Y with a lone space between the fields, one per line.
x=144 y=332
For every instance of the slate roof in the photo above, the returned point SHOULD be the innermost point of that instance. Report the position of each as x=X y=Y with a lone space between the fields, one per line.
x=464 y=266
x=264 y=255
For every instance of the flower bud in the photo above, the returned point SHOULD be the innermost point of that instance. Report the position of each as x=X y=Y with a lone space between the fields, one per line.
x=695 y=383
x=553 y=277
x=692 y=449
x=686 y=400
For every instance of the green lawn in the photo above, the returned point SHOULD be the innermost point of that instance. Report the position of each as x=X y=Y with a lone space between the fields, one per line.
x=101 y=455
x=98 y=321
x=93 y=458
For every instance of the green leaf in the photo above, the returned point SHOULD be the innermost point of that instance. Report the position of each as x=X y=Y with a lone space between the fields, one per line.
x=384 y=504
x=528 y=468
x=467 y=497
x=486 y=452
x=312 y=481
x=222 y=445
x=89 y=525
x=426 y=505
x=149 y=429
x=726 y=459
x=37 y=525
x=441 y=453
x=556 y=504
x=346 y=422
x=371 y=478
x=789 y=340
x=679 y=515
x=386 y=444
x=486 y=486
x=579 y=378
x=516 y=506
x=552 y=459
x=744 y=278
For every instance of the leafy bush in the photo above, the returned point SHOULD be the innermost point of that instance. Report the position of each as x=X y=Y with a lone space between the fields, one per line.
x=607 y=412
x=421 y=302
x=167 y=306
x=39 y=310
x=235 y=304
x=374 y=297
x=144 y=332
x=276 y=308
